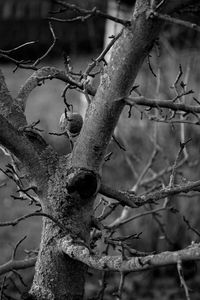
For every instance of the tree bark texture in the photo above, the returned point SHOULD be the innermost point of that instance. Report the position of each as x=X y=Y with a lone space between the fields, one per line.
x=67 y=185
x=58 y=276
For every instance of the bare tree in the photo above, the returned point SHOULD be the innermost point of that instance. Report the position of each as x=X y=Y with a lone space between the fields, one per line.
x=66 y=186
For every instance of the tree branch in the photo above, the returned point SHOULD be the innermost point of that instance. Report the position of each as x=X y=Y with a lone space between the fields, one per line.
x=27 y=64
x=17 y=265
x=162 y=104
x=116 y=263
x=127 y=56
x=172 y=6
x=39 y=77
x=17 y=47
x=175 y=20
x=19 y=145
x=8 y=107
x=85 y=14
x=131 y=200
x=34 y=214
x=124 y=197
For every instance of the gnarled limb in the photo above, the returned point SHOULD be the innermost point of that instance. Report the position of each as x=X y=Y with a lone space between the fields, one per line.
x=38 y=78
x=116 y=263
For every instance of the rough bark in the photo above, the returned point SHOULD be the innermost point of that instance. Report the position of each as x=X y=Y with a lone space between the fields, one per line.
x=56 y=275
x=68 y=185
x=116 y=82
x=118 y=263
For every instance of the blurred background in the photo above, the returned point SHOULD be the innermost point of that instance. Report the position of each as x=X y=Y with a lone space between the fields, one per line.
x=23 y=21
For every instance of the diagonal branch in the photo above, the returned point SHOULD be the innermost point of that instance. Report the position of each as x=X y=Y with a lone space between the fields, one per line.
x=8 y=107
x=127 y=56
x=34 y=214
x=130 y=199
x=175 y=20
x=116 y=263
x=172 y=6
x=19 y=145
x=85 y=14
x=27 y=64
x=17 y=265
x=124 y=197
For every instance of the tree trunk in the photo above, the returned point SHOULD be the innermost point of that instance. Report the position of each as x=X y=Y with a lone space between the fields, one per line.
x=68 y=185
x=56 y=275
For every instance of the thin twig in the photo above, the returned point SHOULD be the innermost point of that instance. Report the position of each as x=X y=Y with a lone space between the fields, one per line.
x=49 y=49
x=100 y=58
x=175 y=165
x=18 y=47
x=16 y=246
x=121 y=285
x=170 y=19
x=91 y=13
x=132 y=218
x=145 y=170
x=26 y=65
x=35 y=214
x=197 y=232
x=182 y=280
x=2 y=287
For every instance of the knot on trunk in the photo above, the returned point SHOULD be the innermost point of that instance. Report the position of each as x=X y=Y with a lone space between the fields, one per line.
x=83 y=182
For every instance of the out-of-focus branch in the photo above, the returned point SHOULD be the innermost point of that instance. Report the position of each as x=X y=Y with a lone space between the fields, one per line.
x=155 y=177
x=172 y=6
x=174 y=20
x=182 y=280
x=175 y=166
x=27 y=64
x=49 y=49
x=116 y=263
x=124 y=220
x=17 y=265
x=86 y=14
x=17 y=48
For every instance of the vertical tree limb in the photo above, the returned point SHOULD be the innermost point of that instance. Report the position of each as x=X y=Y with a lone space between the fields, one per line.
x=103 y=113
